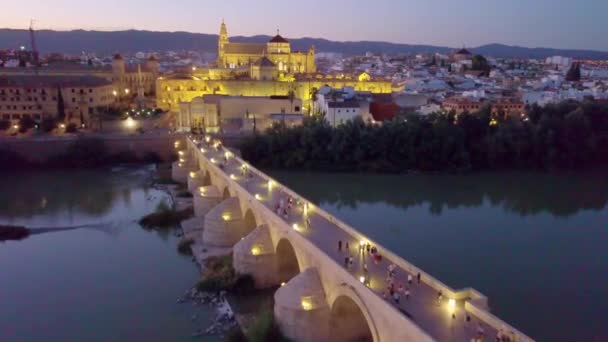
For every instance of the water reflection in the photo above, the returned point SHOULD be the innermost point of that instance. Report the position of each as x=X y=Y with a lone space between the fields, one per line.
x=523 y=193
x=86 y=192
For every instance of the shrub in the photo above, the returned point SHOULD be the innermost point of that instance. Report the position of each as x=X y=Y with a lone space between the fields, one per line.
x=244 y=285
x=183 y=247
x=165 y=218
x=71 y=128
x=264 y=329
x=218 y=275
x=184 y=194
x=151 y=158
x=13 y=233
x=124 y=157
x=235 y=334
x=26 y=123
x=5 y=124
x=48 y=124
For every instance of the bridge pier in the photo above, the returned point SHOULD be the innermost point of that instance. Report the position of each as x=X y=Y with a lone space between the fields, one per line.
x=205 y=198
x=254 y=255
x=224 y=224
x=196 y=179
x=301 y=310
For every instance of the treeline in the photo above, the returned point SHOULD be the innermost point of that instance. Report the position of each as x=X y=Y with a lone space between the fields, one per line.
x=567 y=135
x=82 y=153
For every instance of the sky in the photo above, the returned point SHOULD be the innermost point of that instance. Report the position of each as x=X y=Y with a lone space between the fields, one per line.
x=579 y=24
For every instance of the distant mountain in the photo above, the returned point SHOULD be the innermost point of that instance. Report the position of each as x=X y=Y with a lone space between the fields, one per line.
x=131 y=41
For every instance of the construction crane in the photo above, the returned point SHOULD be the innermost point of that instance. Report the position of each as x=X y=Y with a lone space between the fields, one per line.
x=33 y=43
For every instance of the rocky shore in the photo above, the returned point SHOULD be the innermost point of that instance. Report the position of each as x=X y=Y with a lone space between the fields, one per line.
x=224 y=319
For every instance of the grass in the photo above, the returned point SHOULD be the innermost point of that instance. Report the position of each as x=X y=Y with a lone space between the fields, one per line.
x=13 y=233
x=165 y=217
x=184 y=246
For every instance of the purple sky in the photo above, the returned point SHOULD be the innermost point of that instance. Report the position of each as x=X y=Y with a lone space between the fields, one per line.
x=548 y=23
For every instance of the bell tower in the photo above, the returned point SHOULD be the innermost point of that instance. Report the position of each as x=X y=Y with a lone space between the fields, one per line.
x=221 y=44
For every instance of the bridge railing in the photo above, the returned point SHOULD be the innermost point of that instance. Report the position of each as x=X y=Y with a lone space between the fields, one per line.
x=475 y=302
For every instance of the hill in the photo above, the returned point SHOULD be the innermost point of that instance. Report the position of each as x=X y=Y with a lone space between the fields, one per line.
x=130 y=41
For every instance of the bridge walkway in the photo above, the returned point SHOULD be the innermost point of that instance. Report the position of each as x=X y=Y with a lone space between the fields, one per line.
x=421 y=308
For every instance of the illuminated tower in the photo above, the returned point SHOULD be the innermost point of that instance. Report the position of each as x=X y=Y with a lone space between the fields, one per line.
x=221 y=44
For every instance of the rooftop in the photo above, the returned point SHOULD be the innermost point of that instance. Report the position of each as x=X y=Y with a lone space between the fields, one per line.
x=278 y=39
x=20 y=81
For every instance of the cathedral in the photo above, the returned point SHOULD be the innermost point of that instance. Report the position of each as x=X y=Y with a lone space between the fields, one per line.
x=276 y=51
x=262 y=70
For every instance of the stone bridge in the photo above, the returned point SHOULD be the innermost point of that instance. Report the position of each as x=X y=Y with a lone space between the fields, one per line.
x=319 y=298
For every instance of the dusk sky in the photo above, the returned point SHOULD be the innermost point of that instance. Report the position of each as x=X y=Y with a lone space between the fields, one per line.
x=577 y=24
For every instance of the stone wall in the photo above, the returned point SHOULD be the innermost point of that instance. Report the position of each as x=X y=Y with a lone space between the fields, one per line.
x=42 y=149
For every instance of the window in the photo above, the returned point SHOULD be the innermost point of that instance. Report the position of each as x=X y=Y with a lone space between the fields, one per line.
x=90 y=90
x=16 y=116
x=37 y=116
x=39 y=107
x=90 y=99
x=73 y=90
x=90 y=110
x=297 y=108
x=6 y=116
x=73 y=99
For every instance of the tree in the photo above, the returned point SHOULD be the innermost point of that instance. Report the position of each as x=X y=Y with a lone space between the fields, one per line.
x=574 y=73
x=60 y=105
x=480 y=63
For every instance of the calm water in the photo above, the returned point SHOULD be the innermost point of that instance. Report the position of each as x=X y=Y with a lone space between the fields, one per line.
x=110 y=282
x=535 y=244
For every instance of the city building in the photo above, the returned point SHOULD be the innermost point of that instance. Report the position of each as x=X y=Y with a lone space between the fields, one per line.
x=236 y=113
x=277 y=50
x=127 y=80
x=259 y=70
x=37 y=97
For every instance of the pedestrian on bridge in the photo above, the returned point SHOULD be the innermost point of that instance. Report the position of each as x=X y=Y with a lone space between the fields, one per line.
x=439 y=297
x=339 y=245
x=346 y=246
x=418 y=277
x=409 y=279
x=407 y=293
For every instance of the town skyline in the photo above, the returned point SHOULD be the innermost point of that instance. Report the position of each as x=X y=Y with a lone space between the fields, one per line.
x=541 y=24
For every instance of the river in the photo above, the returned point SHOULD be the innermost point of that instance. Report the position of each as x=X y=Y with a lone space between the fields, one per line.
x=111 y=281
x=536 y=244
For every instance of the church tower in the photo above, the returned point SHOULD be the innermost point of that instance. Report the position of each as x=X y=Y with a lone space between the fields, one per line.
x=221 y=44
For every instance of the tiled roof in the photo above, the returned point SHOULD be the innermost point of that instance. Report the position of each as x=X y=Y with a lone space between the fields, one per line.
x=278 y=39
x=245 y=48
x=383 y=111
x=264 y=62
x=343 y=104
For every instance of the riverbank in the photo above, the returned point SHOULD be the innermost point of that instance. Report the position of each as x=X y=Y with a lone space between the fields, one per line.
x=569 y=135
x=87 y=151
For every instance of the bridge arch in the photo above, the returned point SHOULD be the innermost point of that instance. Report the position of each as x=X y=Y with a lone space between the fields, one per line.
x=250 y=222
x=288 y=265
x=207 y=178
x=350 y=319
x=226 y=192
